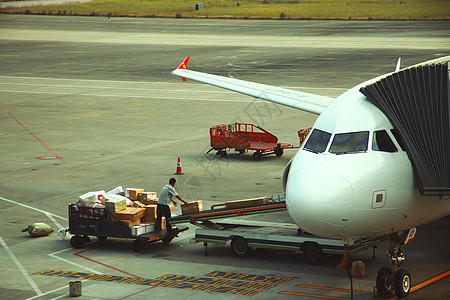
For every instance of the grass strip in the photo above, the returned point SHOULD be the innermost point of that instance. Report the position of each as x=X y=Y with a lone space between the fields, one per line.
x=253 y=9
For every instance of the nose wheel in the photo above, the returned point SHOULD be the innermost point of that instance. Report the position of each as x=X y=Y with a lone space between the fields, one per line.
x=395 y=280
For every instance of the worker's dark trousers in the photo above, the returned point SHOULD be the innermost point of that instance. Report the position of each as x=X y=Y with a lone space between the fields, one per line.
x=162 y=210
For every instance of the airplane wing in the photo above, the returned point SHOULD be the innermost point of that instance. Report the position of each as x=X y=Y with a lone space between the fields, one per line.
x=299 y=100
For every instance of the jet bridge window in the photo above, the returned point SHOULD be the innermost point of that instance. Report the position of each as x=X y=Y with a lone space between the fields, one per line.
x=317 y=141
x=351 y=142
x=382 y=142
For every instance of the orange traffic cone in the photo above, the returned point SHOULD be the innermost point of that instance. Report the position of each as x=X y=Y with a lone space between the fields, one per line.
x=179 y=171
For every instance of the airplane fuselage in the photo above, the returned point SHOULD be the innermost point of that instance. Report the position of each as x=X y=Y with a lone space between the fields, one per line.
x=351 y=178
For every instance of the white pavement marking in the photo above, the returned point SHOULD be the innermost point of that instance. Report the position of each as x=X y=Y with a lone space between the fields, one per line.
x=126 y=96
x=20 y=267
x=53 y=255
x=141 y=89
x=33 y=208
x=87 y=80
x=254 y=41
x=116 y=88
x=47 y=293
x=54 y=221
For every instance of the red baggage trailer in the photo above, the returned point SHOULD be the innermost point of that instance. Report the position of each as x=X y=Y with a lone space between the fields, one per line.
x=244 y=137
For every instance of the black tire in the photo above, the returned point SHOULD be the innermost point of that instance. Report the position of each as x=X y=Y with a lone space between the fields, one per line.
x=167 y=239
x=77 y=242
x=257 y=155
x=313 y=253
x=138 y=245
x=402 y=283
x=239 y=247
x=384 y=282
x=241 y=151
x=102 y=238
x=279 y=152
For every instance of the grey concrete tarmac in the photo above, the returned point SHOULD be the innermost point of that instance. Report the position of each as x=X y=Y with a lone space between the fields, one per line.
x=88 y=104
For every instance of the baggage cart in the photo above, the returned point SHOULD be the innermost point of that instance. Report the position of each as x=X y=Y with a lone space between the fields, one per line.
x=244 y=137
x=87 y=221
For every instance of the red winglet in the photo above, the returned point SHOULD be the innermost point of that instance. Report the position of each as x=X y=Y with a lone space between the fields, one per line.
x=184 y=63
x=183 y=66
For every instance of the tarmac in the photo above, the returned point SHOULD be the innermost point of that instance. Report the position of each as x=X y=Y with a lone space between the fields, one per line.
x=89 y=104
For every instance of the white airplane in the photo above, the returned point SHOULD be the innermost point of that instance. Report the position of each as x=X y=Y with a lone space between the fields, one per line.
x=352 y=177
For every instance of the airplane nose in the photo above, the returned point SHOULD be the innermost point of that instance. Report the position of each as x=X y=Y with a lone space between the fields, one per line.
x=319 y=201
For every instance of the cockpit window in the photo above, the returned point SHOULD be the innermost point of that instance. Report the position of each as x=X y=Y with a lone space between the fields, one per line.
x=317 y=141
x=350 y=142
x=399 y=139
x=382 y=142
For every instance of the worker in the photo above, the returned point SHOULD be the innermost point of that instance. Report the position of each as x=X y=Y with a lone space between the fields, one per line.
x=163 y=209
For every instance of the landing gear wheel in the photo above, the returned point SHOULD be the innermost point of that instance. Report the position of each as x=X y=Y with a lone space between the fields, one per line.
x=77 y=242
x=239 y=247
x=279 y=152
x=257 y=155
x=385 y=282
x=402 y=283
x=138 y=245
x=313 y=253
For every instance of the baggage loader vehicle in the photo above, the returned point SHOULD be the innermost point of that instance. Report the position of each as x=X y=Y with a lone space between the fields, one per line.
x=244 y=235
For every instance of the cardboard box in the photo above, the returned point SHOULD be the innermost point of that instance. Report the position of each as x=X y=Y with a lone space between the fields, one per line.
x=137 y=230
x=163 y=223
x=149 y=227
x=150 y=202
x=138 y=204
x=132 y=193
x=148 y=219
x=192 y=207
x=246 y=203
x=115 y=205
x=358 y=269
x=108 y=197
x=132 y=223
x=150 y=210
x=147 y=196
x=142 y=228
x=130 y=214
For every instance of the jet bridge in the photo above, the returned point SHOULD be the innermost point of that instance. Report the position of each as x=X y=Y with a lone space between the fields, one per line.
x=416 y=101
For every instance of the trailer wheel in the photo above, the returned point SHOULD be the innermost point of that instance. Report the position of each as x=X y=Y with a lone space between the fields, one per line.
x=279 y=152
x=239 y=247
x=167 y=239
x=257 y=155
x=77 y=242
x=138 y=245
x=313 y=253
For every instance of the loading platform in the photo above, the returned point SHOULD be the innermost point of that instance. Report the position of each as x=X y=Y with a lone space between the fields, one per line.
x=274 y=203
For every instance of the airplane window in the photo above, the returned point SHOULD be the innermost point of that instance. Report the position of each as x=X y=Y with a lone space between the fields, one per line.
x=382 y=142
x=398 y=138
x=350 y=142
x=317 y=141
